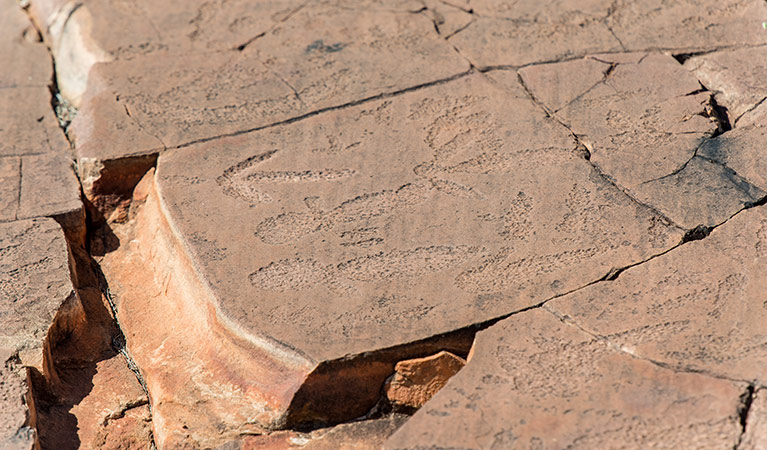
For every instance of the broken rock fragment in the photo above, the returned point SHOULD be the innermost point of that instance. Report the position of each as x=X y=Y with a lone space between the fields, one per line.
x=415 y=381
x=537 y=382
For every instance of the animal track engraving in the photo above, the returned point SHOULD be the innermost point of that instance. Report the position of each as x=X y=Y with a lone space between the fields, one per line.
x=241 y=180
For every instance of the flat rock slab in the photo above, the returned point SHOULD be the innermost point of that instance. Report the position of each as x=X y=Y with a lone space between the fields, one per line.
x=643 y=122
x=688 y=25
x=37 y=186
x=28 y=123
x=370 y=228
x=34 y=283
x=323 y=57
x=527 y=32
x=700 y=307
x=536 y=382
x=335 y=212
x=25 y=61
x=737 y=76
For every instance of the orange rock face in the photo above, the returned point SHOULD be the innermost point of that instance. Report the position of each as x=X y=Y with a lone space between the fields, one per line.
x=415 y=381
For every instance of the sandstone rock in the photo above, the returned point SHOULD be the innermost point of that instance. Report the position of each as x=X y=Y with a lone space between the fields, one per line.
x=688 y=25
x=357 y=223
x=366 y=434
x=737 y=76
x=29 y=126
x=521 y=33
x=306 y=64
x=34 y=283
x=114 y=413
x=448 y=19
x=15 y=430
x=24 y=63
x=48 y=186
x=700 y=307
x=415 y=381
x=755 y=436
x=643 y=125
x=554 y=84
x=758 y=116
x=536 y=382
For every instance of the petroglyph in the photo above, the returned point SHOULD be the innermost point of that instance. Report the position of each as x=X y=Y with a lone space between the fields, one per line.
x=241 y=180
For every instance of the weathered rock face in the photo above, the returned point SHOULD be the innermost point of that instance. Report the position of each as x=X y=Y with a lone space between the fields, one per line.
x=16 y=426
x=647 y=124
x=537 y=382
x=415 y=381
x=736 y=75
x=700 y=307
x=755 y=436
x=366 y=434
x=351 y=250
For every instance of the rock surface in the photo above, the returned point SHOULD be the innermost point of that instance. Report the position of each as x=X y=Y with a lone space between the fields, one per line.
x=300 y=218
x=537 y=382
x=699 y=307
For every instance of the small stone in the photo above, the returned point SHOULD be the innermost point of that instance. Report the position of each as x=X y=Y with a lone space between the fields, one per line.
x=415 y=381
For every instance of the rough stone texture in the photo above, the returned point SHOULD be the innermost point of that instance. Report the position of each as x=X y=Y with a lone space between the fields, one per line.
x=530 y=31
x=536 y=382
x=15 y=430
x=688 y=25
x=106 y=409
x=643 y=124
x=285 y=74
x=28 y=123
x=24 y=59
x=415 y=381
x=755 y=436
x=367 y=434
x=351 y=249
x=737 y=77
x=700 y=307
x=34 y=283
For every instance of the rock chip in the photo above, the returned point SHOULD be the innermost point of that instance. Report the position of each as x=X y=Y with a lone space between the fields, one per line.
x=697 y=308
x=415 y=381
x=536 y=382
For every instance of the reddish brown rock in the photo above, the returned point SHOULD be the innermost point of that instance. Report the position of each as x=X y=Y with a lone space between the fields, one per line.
x=357 y=222
x=688 y=25
x=537 y=382
x=527 y=32
x=415 y=381
x=737 y=77
x=366 y=434
x=115 y=410
x=700 y=307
